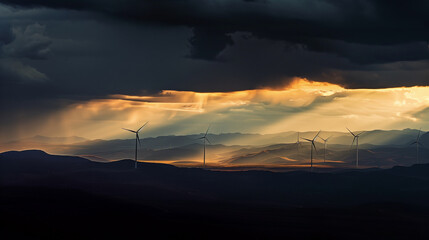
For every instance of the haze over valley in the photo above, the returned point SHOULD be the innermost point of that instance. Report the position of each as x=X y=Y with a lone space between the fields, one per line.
x=378 y=148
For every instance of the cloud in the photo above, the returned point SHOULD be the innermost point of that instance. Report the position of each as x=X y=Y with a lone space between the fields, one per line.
x=208 y=43
x=15 y=71
x=317 y=24
x=82 y=50
x=17 y=43
x=345 y=42
x=301 y=106
x=422 y=114
x=30 y=42
x=6 y=34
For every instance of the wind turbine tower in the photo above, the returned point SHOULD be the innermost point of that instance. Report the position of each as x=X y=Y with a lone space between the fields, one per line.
x=204 y=140
x=418 y=143
x=297 y=143
x=137 y=140
x=356 y=137
x=311 y=148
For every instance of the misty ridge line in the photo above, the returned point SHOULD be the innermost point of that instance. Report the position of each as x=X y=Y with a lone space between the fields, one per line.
x=378 y=148
x=282 y=137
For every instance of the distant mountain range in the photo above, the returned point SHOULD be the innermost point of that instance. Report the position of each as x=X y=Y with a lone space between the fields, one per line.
x=379 y=148
x=339 y=157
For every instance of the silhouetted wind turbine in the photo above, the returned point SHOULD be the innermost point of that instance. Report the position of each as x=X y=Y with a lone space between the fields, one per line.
x=297 y=143
x=311 y=148
x=356 y=137
x=137 y=140
x=324 y=148
x=204 y=140
x=418 y=143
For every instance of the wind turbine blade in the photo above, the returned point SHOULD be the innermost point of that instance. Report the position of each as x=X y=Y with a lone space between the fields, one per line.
x=360 y=133
x=328 y=138
x=317 y=135
x=323 y=139
x=208 y=140
x=142 y=126
x=421 y=144
x=138 y=139
x=200 y=138
x=314 y=145
x=351 y=132
x=353 y=142
x=207 y=131
x=413 y=142
x=307 y=139
x=129 y=130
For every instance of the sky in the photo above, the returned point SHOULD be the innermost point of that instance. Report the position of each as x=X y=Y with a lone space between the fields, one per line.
x=88 y=68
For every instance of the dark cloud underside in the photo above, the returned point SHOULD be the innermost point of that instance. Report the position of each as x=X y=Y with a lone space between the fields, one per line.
x=65 y=51
x=363 y=32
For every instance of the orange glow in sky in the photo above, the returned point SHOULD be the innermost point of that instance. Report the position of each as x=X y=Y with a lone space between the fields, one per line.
x=300 y=106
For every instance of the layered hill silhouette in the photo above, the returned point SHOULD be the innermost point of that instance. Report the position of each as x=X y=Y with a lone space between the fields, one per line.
x=373 y=137
x=303 y=188
x=49 y=196
x=379 y=148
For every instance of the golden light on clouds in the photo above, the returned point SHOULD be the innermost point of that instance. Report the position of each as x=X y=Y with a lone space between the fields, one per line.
x=302 y=105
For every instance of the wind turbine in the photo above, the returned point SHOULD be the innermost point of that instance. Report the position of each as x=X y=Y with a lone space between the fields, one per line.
x=137 y=140
x=297 y=143
x=311 y=148
x=356 y=137
x=324 y=147
x=204 y=140
x=417 y=142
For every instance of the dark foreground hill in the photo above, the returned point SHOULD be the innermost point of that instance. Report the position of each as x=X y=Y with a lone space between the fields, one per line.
x=59 y=197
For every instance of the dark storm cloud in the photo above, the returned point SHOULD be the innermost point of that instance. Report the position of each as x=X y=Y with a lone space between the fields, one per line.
x=12 y=70
x=249 y=44
x=29 y=42
x=309 y=22
x=207 y=43
x=19 y=43
x=6 y=35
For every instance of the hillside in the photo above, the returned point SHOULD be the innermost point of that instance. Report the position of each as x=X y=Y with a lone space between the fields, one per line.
x=48 y=196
